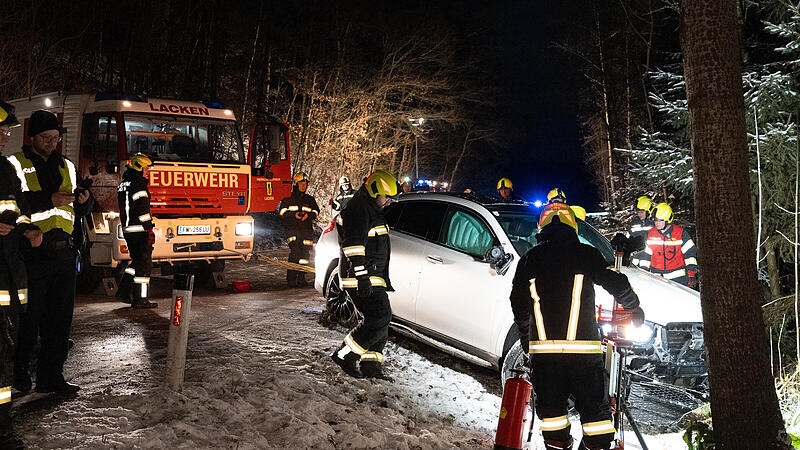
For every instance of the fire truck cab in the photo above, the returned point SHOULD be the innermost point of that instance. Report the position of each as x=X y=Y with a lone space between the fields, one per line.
x=203 y=182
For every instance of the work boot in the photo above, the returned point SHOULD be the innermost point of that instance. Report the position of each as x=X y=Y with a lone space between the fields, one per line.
x=58 y=387
x=143 y=304
x=138 y=301
x=373 y=369
x=349 y=363
x=22 y=382
x=558 y=445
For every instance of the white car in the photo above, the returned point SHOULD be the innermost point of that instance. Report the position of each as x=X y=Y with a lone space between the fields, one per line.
x=452 y=263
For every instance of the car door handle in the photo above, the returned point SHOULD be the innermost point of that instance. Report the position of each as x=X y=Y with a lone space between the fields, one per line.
x=435 y=259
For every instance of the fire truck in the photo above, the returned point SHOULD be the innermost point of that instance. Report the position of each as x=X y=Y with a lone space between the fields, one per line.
x=204 y=185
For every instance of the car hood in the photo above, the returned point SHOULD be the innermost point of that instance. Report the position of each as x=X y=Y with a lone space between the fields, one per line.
x=663 y=301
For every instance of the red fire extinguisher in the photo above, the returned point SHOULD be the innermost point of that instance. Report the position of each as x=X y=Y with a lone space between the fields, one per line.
x=514 y=421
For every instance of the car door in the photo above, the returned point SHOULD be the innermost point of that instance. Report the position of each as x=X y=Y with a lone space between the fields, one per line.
x=458 y=290
x=411 y=224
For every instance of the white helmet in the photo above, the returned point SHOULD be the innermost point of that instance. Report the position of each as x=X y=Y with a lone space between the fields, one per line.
x=343 y=181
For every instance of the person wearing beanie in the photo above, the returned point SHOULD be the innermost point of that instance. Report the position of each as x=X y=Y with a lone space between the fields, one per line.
x=50 y=189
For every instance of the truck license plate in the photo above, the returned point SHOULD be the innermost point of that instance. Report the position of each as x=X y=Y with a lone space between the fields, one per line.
x=194 y=229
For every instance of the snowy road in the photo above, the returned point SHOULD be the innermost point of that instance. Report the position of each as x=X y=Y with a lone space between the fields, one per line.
x=258 y=376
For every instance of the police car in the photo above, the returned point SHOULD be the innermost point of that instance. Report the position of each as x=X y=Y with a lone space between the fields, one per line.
x=453 y=260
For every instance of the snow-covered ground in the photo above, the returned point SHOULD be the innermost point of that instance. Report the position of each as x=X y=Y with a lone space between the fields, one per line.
x=257 y=376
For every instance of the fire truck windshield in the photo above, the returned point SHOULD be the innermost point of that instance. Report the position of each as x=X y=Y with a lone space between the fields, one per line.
x=170 y=138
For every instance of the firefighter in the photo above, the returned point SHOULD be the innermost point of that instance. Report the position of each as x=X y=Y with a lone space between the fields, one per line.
x=364 y=269
x=49 y=187
x=406 y=187
x=640 y=225
x=670 y=251
x=137 y=228
x=557 y=206
x=346 y=192
x=552 y=298
x=299 y=211
x=505 y=189
x=16 y=232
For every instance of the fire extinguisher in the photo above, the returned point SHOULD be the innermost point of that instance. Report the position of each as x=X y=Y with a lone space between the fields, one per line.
x=514 y=421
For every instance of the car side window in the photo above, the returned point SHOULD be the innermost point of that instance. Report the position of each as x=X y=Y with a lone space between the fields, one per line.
x=392 y=214
x=421 y=219
x=466 y=232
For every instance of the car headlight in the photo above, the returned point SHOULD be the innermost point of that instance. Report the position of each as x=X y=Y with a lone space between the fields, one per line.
x=639 y=335
x=244 y=229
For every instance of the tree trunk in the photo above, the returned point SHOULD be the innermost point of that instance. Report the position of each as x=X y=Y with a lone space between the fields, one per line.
x=772 y=268
x=744 y=416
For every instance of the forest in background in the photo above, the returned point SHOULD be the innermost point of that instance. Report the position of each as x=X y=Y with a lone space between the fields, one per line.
x=636 y=130
x=351 y=79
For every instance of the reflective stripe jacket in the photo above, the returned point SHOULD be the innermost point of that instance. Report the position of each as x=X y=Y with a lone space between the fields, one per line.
x=640 y=228
x=364 y=242
x=134 y=203
x=670 y=252
x=299 y=202
x=13 y=277
x=341 y=200
x=552 y=295
x=38 y=191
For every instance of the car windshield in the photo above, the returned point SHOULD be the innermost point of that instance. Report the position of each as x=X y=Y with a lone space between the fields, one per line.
x=521 y=228
x=169 y=138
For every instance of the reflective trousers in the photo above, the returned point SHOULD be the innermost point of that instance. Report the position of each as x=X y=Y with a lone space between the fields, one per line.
x=8 y=335
x=135 y=281
x=299 y=252
x=51 y=300
x=555 y=378
x=372 y=332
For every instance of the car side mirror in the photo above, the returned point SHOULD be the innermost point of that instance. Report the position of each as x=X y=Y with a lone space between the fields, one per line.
x=498 y=259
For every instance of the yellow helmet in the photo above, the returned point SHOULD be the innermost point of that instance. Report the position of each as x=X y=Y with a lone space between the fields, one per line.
x=381 y=182
x=139 y=161
x=300 y=177
x=556 y=195
x=579 y=212
x=644 y=203
x=663 y=212
x=504 y=183
x=564 y=213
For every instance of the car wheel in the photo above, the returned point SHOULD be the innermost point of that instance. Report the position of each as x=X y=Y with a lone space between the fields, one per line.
x=514 y=359
x=339 y=307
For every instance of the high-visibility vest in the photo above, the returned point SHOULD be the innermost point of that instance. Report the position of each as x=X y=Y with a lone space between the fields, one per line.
x=62 y=217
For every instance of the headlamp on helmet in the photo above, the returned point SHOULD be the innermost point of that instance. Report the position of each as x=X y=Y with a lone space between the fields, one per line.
x=663 y=212
x=381 y=182
x=139 y=161
x=504 y=183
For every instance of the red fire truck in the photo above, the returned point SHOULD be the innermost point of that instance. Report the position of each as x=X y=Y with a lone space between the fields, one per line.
x=203 y=182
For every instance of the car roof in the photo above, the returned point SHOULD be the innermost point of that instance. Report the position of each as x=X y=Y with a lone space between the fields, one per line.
x=490 y=203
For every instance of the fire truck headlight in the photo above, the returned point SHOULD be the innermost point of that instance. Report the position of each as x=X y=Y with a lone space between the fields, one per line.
x=639 y=335
x=244 y=229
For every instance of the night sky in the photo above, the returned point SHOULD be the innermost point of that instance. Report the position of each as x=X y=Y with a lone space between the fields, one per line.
x=540 y=89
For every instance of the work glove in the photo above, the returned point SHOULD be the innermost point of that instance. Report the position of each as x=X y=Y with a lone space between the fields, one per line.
x=151 y=237
x=364 y=287
x=692 y=279
x=637 y=316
